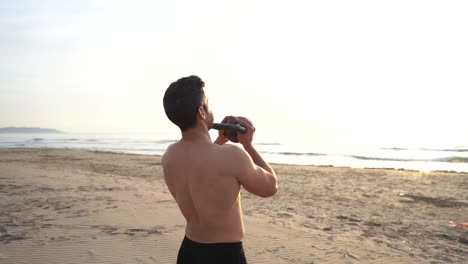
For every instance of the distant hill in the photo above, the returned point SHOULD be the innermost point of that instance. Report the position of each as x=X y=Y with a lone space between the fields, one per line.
x=32 y=130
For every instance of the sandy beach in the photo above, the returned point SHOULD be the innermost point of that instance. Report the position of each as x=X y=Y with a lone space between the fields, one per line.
x=70 y=206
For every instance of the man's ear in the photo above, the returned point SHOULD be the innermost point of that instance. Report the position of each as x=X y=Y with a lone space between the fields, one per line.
x=201 y=113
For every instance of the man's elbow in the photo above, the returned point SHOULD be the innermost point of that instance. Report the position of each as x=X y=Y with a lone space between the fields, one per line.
x=269 y=192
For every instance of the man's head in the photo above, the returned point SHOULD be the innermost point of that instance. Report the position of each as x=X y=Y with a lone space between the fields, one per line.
x=185 y=103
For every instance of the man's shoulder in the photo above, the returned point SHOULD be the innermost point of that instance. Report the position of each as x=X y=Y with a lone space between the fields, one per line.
x=169 y=149
x=229 y=148
x=232 y=152
x=168 y=153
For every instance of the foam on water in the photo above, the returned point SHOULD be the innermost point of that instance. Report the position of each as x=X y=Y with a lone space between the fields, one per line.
x=350 y=154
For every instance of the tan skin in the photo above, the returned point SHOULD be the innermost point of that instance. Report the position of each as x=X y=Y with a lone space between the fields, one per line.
x=205 y=179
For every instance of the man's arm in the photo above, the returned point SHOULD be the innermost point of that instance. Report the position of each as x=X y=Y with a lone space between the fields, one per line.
x=255 y=174
x=258 y=160
x=247 y=142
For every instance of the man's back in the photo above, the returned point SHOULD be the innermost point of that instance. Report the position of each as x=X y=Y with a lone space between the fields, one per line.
x=203 y=181
x=205 y=177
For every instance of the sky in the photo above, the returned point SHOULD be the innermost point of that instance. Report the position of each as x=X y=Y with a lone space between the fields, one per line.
x=388 y=71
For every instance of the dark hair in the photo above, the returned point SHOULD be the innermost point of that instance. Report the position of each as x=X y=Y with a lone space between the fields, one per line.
x=182 y=100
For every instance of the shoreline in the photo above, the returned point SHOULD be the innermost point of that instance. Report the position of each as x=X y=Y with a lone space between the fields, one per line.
x=272 y=163
x=97 y=207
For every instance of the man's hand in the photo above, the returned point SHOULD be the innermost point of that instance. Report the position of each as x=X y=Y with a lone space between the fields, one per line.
x=247 y=138
x=221 y=140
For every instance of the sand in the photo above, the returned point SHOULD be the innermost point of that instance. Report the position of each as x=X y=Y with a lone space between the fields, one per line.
x=70 y=206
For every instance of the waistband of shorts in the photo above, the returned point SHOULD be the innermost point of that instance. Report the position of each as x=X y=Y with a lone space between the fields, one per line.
x=217 y=244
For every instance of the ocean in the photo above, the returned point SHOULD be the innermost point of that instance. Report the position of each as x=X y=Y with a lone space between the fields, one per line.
x=352 y=154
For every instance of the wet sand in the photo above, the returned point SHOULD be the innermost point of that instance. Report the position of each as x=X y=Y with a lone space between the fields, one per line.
x=70 y=206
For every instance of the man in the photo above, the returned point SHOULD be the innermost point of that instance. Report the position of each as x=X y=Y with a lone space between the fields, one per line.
x=205 y=177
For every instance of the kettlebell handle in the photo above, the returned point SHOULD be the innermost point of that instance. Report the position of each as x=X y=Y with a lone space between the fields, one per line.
x=237 y=128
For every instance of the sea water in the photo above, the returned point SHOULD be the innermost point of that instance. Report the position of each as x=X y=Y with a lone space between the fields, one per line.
x=273 y=149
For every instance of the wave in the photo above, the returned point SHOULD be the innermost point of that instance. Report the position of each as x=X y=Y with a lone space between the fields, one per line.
x=395 y=148
x=383 y=159
x=452 y=159
x=295 y=153
x=166 y=141
x=268 y=144
x=449 y=150
x=456 y=149
x=133 y=149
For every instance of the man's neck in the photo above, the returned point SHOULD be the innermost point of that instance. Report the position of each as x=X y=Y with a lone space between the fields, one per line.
x=196 y=135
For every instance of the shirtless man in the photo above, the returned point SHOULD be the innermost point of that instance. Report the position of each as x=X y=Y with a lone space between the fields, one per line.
x=205 y=177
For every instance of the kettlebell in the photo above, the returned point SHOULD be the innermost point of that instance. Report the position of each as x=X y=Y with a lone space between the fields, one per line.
x=231 y=128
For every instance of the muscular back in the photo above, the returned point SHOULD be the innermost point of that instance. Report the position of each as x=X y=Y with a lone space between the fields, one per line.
x=202 y=179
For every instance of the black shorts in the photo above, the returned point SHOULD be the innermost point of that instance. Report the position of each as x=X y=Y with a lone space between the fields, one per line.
x=192 y=252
